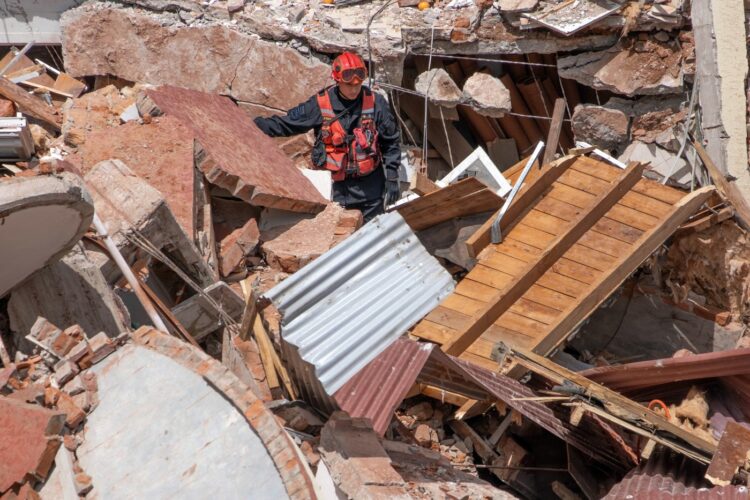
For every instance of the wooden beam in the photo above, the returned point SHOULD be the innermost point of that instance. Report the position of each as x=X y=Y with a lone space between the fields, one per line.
x=526 y=197
x=727 y=189
x=553 y=138
x=28 y=104
x=424 y=185
x=626 y=264
x=614 y=403
x=506 y=297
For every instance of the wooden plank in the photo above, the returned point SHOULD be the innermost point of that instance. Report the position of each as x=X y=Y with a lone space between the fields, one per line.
x=466 y=197
x=619 y=213
x=538 y=294
x=503 y=300
x=525 y=198
x=553 y=138
x=69 y=85
x=30 y=105
x=638 y=413
x=728 y=190
x=625 y=265
x=646 y=187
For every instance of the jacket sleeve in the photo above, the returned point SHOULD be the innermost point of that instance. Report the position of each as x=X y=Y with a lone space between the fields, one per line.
x=297 y=120
x=389 y=137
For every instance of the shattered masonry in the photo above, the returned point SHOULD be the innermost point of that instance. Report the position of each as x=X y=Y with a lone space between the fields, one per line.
x=178 y=288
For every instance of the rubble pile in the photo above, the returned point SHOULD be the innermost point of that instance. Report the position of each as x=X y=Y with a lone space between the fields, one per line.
x=555 y=307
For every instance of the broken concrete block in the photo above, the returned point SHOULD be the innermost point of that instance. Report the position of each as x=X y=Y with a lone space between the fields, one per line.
x=421 y=411
x=358 y=463
x=200 y=319
x=30 y=441
x=425 y=435
x=240 y=243
x=64 y=341
x=143 y=47
x=234 y=154
x=101 y=346
x=653 y=68
x=40 y=136
x=74 y=386
x=439 y=88
x=291 y=249
x=516 y=5
x=94 y=111
x=299 y=418
x=89 y=300
x=601 y=127
x=51 y=212
x=161 y=153
x=83 y=483
x=487 y=95
x=125 y=203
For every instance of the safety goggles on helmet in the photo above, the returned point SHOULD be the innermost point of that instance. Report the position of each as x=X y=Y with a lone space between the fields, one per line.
x=348 y=75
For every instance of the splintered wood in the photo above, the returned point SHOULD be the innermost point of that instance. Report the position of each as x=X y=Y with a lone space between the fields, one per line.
x=543 y=311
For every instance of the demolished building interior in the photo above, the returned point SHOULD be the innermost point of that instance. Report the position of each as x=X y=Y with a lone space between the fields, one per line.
x=557 y=306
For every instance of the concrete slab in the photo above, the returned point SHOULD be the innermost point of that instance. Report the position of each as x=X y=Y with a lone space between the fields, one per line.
x=234 y=154
x=160 y=152
x=126 y=202
x=88 y=299
x=60 y=484
x=182 y=438
x=41 y=218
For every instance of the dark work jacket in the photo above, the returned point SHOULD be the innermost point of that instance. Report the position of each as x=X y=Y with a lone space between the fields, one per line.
x=307 y=116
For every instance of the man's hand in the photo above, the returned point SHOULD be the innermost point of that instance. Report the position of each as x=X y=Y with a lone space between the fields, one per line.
x=392 y=192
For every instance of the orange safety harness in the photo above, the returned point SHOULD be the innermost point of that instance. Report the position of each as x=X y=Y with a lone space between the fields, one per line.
x=353 y=155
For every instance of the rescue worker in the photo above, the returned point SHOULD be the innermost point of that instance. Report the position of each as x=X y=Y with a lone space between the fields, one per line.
x=356 y=138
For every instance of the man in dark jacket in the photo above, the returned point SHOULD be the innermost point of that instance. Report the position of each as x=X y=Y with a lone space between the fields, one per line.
x=356 y=138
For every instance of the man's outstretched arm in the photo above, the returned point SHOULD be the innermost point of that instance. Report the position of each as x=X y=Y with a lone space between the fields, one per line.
x=297 y=120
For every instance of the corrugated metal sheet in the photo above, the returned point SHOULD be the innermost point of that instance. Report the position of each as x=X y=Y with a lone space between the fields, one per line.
x=668 y=475
x=346 y=307
x=623 y=378
x=377 y=390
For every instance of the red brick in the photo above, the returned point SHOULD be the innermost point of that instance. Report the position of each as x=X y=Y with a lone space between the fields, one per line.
x=73 y=414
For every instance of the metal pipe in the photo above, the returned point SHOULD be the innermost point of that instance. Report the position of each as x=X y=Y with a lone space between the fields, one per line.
x=496 y=234
x=128 y=273
x=18 y=56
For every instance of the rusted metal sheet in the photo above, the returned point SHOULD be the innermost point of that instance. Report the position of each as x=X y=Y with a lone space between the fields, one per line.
x=730 y=454
x=644 y=374
x=377 y=390
x=667 y=476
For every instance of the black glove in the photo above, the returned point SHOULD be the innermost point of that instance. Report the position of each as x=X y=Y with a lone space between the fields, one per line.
x=392 y=192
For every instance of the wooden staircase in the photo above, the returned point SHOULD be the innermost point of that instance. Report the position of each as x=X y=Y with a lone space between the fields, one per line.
x=574 y=233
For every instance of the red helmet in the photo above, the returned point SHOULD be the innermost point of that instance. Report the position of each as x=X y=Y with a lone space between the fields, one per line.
x=349 y=68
